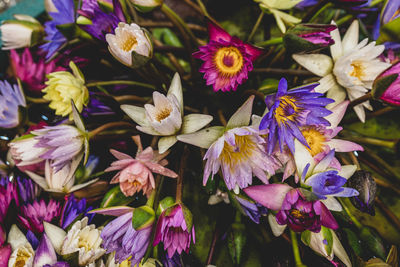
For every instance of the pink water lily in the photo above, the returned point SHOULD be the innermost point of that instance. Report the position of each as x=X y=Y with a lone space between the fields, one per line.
x=136 y=174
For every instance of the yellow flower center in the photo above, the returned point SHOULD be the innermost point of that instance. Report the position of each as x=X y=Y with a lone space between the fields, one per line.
x=315 y=140
x=22 y=257
x=228 y=60
x=83 y=243
x=241 y=152
x=128 y=42
x=135 y=183
x=297 y=214
x=358 y=69
x=163 y=113
x=287 y=110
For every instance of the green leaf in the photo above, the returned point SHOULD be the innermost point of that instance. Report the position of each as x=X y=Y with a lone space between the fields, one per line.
x=269 y=86
x=236 y=242
x=143 y=217
x=353 y=241
x=68 y=30
x=390 y=32
x=373 y=241
x=114 y=197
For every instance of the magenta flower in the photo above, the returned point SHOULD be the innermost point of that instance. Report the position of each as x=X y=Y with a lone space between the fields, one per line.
x=33 y=215
x=5 y=253
x=8 y=192
x=387 y=86
x=136 y=174
x=227 y=60
x=175 y=230
x=32 y=73
x=294 y=209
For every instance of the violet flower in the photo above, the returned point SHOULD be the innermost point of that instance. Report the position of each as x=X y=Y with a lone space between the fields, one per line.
x=175 y=230
x=11 y=99
x=72 y=209
x=27 y=190
x=289 y=110
x=253 y=210
x=121 y=237
x=227 y=60
x=33 y=215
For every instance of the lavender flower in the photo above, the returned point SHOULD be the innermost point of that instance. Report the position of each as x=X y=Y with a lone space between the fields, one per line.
x=72 y=209
x=288 y=110
x=27 y=190
x=11 y=98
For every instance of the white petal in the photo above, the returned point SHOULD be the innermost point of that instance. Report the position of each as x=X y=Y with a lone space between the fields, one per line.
x=336 y=93
x=339 y=251
x=16 y=238
x=176 y=89
x=194 y=122
x=204 y=138
x=276 y=228
x=350 y=39
x=137 y=114
x=338 y=112
x=242 y=116
x=39 y=180
x=326 y=83
x=302 y=158
x=80 y=186
x=336 y=49
x=319 y=64
x=165 y=143
x=56 y=235
x=332 y=204
x=347 y=171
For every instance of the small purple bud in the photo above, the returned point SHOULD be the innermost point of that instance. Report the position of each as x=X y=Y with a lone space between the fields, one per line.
x=363 y=182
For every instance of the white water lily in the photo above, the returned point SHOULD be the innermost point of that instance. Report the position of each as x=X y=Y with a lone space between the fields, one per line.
x=24 y=31
x=275 y=7
x=82 y=238
x=350 y=70
x=61 y=181
x=22 y=251
x=165 y=118
x=129 y=38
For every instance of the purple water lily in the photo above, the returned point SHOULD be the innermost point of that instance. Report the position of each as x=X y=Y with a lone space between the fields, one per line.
x=253 y=210
x=72 y=209
x=289 y=110
x=27 y=190
x=121 y=237
x=65 y=15
x=293 y=208
x=11 y=98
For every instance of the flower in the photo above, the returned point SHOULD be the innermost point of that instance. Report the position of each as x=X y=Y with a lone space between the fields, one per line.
x=27 y=190
x=175 y=229
x=275 y=7
x=351 y=70
x=128 y=43
x=253 y=210
x=31 y=73
x=62 y=87
x=237 y=149
x=22 y=251
x=227 y=60
x=65 y=15
x=84 y=239
x=135 y=174
x=5 y=253
x=24 y=31
x=33 y=215
x=128 y=243
x=45 y=253
x=308 y=37
x=72 y=209
x=8 y=192
x=165 y=118
x=365 y=184
x=59 y=143
x=289 y=110
x=386 y=86
x=306 y=3
x=294 y=209
x=100 y=23
x=11 y=98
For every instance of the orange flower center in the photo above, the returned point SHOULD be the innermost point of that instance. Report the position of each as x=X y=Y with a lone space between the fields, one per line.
x=163 y=113
x=287 y=110
x=315 y=140
x=358 y=69
x=241 y=152
x=228 y=60
x=128 y=42
x=297 y=214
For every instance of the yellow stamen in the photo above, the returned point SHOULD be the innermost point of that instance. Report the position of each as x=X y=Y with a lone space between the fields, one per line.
x=128 y=43
x=163 y=113
x=228 y=60
x=358 y=70
x=297 y=214
x=22 y=257
x=242 y=152
x=315 y=140
x=287 y=110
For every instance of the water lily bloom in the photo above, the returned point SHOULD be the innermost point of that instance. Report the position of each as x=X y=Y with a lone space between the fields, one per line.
x=45 y=253
x=8 y=193
x=294 y=209
x=62 y=87
x=146 y=5
x=130 y=44
x=237 y=149
x=27 y=190
x=64 y=15
x=33 y=215
x=289 y=110
x=165 y=118
x=136 y=174
x=274 y=7
x=11 y=98
x=24 y=31
x=227 y=60
x=325 y=182
x=5 y=253
x=175 y=229
x=128 y=243
x=22 y=251
x=386 y=87
x=32 y=73
x=96 y=21
x=350 y=71
x=72 y=209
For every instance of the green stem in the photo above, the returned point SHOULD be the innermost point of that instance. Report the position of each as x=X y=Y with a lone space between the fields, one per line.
x=107 y=126
x=37 y=100
x=348 y=212
x=326 y=6
x=296 y=251
x=258 y=22
x=375 y=2
x=152 y=197
x=270 y=42
x=120 y=82
x=344 y=20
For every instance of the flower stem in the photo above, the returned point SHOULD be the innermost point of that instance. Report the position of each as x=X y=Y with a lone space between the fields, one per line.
x=270 y=42
x=375 y=2
x=179 y=181
x=152 y=197
x=360 y=100
x=296 y=251
x=283 y=71
x=253 y=31
x=37 y=100
x=103 y=83
x=348 y=212
x=109 y=125
x=344 y=20
x=328 y=5
x=313 y=10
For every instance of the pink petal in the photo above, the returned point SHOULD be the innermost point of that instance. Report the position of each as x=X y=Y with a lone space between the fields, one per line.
x=270 y=195
x=216 y=33
x=254 y=52
x=120 y=155
x=157 y=168
x=344 y=146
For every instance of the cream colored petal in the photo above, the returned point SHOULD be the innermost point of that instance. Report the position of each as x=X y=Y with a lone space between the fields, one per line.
x=319 y=64
x=350 y=39
x=242 y=116
x=16 y=238
x=336 y=49
x=332 y=204
x=336 y=93
x=176 y=90
x=276 y=228
x=302 y=158
x=359 y=110
x=347 y=171
x=39 y=180
x=204 y=138
x=194 y=122
x=137 y=114
x=279 y=21
x=339 y=251
x=165 y=143
x=80 y=186
x=326 y=83
x=148 y=130
x=55 y=234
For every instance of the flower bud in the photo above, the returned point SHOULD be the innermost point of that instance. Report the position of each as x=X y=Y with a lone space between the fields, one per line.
x=390 y=17
x=146 y=5
x=130 y=45
x=387 y=86
x=142 y=217
x=308 y=37
x=24 y=31
x=363 y=182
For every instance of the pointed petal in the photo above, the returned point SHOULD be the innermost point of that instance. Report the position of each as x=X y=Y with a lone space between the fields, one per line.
x=216 y=33
x=336 y=48
x=80 y=186
x=270 y=195
x=325 y=162
x=332 y=204
x=350 y=39
x=16 y=238
x=337 y=114
x=45 y=253
x=242 y=116
x=325 y=84
x=347 y=171
x=203 y=138
x=166 y=142
x=113 y=211
x=276 y=228
x=194 y=122
x=319 y=64
x=339 y=250
x=137 y=114
x=344 y=146
x=176 y=89
x=55 y=234
x=302 y=158
x=39 y=180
